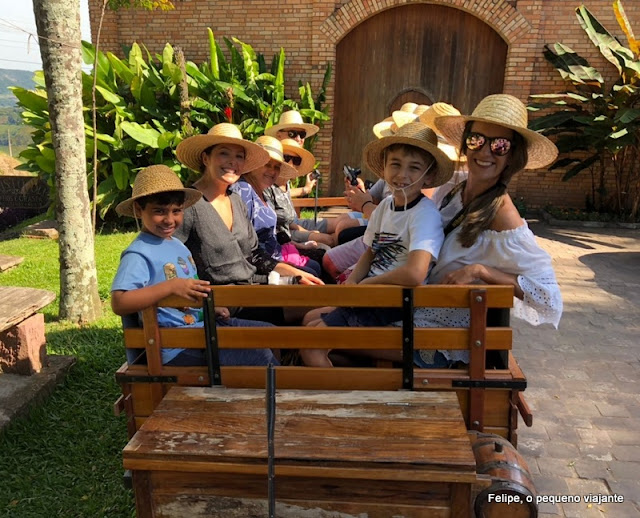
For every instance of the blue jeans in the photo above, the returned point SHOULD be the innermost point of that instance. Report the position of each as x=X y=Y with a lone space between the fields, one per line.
x=439 y=361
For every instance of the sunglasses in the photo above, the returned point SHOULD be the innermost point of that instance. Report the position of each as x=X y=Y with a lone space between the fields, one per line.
x=297 y=133
x=296 y=160
x=499 y=146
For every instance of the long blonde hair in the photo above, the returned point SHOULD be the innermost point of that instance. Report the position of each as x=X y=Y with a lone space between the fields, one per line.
x=482 y=209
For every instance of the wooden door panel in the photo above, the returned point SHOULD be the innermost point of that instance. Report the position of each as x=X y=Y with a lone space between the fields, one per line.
x=421 y=53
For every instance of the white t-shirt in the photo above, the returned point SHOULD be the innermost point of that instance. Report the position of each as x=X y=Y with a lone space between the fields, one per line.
x=394 y=232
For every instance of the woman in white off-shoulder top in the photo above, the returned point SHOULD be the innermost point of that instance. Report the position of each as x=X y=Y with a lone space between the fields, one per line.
x=486 y=239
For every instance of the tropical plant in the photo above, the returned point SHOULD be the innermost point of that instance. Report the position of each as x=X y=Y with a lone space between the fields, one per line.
x=597 y=125
x=139 y=109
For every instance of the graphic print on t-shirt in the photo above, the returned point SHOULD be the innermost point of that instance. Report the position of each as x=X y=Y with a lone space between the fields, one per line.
x=386 y=247
x=170 y=271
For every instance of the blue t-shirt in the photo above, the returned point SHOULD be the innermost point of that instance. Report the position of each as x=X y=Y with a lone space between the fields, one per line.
x=149 y=260
x=262 y=216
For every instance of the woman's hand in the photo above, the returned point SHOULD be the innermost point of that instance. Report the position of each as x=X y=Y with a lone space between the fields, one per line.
x=310 y=183
x=468 y=274
x=192 y=289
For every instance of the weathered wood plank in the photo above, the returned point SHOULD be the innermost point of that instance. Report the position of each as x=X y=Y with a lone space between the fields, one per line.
x=9 y=261
x=16 y=304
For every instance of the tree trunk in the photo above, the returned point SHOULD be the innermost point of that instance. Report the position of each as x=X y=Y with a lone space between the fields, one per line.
x=58 y=23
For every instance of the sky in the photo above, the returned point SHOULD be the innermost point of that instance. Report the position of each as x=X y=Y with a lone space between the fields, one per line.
x=17 y=50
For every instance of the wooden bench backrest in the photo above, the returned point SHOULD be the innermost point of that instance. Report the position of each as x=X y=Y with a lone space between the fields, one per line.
x=477 y=338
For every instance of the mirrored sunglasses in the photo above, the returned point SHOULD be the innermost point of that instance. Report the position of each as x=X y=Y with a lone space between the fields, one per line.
x=499 y=146
x=295 y=133
x=294 y=159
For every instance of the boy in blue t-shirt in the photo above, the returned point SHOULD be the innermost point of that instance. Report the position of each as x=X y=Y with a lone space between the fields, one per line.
x=156 y=265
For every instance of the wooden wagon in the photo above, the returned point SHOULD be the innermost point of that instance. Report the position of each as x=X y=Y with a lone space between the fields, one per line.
x=187 y=457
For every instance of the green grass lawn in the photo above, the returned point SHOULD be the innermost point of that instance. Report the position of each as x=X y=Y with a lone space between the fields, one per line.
x=64 y=459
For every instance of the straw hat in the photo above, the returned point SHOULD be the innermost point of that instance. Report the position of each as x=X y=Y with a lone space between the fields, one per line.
x=384 y=128
x=291 y=120
x=291 y=147
x=438 y=110
x=189 y=151
x=414 y=134
x=274 y=147
x=509 y=112
x=153 y=180
x=404 y=116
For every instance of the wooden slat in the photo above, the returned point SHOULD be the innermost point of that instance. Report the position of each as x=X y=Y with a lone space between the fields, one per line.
x=308 y=296
x=457 y=297
x=353 y=338
x=16 y=304
x=329 y=201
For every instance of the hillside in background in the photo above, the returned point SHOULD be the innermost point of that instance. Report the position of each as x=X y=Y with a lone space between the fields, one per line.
x=9 y=78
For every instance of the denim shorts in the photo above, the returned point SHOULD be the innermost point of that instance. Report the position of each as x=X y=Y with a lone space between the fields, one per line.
x=440 y=361
x=362 y=317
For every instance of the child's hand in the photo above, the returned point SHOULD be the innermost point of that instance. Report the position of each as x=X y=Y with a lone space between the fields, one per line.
x=222 y=312
x=192 y=289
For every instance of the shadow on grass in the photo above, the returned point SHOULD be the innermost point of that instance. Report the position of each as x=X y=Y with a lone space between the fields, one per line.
x=65 y=458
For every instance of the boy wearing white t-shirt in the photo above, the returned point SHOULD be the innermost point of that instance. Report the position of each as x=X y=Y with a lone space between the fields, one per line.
x=405 y=231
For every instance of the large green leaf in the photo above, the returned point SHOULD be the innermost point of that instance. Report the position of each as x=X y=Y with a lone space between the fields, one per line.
x=609 y=46
x=34 y=101
x=120 y=68
x=213 y=55
x=572 y=66
x=580 y=166
x=144 y=135
x=552 y=120
x=120 y=174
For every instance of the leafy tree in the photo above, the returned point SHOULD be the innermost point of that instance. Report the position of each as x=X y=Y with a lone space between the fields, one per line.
x=597 y=124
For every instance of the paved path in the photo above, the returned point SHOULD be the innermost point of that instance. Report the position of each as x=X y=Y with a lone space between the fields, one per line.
x=584 y=378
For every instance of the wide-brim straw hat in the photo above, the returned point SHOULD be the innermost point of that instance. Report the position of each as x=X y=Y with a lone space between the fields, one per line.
x=289 y=120
x=291 y=147
x=438 y=109
x=402 y=116
x=509 y=112
x=153 y=180
x=189 y=151
x=414 y=134
x=274 y=147
x=384 y=128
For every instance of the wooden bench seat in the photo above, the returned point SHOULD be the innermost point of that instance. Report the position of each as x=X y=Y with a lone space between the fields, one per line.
x=489 y=396
x=22 y=338
x=331 y=201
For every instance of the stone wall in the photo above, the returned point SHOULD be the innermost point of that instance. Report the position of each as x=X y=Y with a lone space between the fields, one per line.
x=309 y=31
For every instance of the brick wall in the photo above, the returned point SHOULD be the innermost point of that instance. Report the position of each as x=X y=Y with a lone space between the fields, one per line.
x=309 y=31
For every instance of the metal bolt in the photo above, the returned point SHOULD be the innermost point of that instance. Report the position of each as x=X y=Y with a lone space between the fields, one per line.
x=478 y=343
x=406 y=299
x=476 y=423
x=406 y=340
x=200 y=378
x=425 y=382
x=151 y=341
x=478 y=299
x=406 y=380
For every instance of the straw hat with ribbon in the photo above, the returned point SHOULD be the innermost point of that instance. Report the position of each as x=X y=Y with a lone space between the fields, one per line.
x=189 y=151
x=153 y=180
x=509 y=112
x=414 y=134
x=291 y=147
x=273 y=146
x=291 y=120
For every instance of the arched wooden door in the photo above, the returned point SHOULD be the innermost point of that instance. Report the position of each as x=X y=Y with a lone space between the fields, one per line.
x=422 y=53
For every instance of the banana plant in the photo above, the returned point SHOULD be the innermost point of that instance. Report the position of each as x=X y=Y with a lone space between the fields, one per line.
x=139 y=116
x=597 y=125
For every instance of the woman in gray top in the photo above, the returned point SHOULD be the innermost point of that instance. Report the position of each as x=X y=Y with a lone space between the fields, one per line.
x=217 y=229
